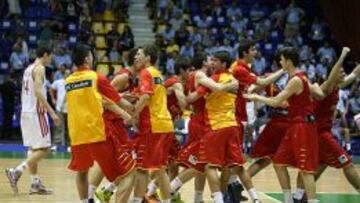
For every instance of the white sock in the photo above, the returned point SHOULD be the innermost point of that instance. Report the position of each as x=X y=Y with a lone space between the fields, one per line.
x=348 y=146
x=110 y=187
x=218 y=198
x=151 y=188
x=313 y=201
x=84 y=201
x=166 y=201
x=91 y=191
x=176 y=184
x=299 y=193
x=252 y=193
x=198 y=196
x=34 y=179
x=287 y=196
x=22 y=166
x=233 y=179
x=137 y=200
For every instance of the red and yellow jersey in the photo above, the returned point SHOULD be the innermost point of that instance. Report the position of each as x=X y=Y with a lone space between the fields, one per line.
x=172 y=101
x=108 y=115
x=155 y=117
x=243 y=74
x=220 y=105
x=85 y=91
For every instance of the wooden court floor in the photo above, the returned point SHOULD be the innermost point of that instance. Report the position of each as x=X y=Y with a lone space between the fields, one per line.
x=332 y=187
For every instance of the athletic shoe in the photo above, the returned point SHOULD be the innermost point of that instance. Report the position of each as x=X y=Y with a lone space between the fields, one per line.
x=103 y=195
x=91 y=201
x=13 y=177
x=303 y=200
x=39 y=189
x=177 y=198
x=151 y=199
x=227 y=198
x=256 y=201
x=235 y=192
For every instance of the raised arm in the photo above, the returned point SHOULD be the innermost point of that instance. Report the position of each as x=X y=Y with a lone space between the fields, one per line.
x=351 y=77
x=214 y=86
x=270 y=79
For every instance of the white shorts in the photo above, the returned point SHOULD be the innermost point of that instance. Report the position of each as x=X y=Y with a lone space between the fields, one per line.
x=35 y=130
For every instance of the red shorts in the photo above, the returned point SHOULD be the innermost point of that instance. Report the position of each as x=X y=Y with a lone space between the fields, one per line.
x=330 y=152
x=114 y=162
x=189 y=154
x=153 y=150
x=116 y=129
x=299 y=147
x=174 y=149
x=222 y=147
x=270 y=138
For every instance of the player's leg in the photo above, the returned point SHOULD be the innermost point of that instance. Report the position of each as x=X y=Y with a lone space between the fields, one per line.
x=141 y=181
x=257 y=166
x=284 y=180
x=163 y=180
x=309 y=185
x=82 y=185
x=96 y=176
x=214 y=183
x=125 y=186
x=199 y=182
x=352 y=176
x=246 y=181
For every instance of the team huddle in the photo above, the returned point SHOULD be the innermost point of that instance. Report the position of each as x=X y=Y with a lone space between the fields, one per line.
x=215 y=89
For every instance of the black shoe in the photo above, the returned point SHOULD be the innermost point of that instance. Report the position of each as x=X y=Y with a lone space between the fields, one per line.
x=235 y=192
x=303 y=200
x=91 y=201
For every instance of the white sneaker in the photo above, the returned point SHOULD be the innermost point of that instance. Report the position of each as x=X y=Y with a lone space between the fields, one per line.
x=39 y=189
x=13 y=177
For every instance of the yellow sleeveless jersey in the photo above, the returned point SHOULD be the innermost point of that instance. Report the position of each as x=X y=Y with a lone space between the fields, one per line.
x=85 y=109
x=220 y=105
x=155 y=116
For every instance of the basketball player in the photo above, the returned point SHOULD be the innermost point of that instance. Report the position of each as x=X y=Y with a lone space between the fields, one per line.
x=241 y=71
x=299 y=147
x=155 y=127
x=34 y=121
x=92 y=139
x=330 y=152
x=220 y=146
x=176 y=104
x=123 y=82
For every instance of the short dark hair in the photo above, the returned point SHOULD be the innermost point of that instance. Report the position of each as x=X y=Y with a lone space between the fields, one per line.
x=80 y=52
x=43 y=49
x=244 y=46
x=291 y=53
x=182 y=63
x=224 y=57
x=131 y=56
x=198 y=60
x=150 y=50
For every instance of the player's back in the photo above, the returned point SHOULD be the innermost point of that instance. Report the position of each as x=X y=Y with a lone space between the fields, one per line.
x=29 y=102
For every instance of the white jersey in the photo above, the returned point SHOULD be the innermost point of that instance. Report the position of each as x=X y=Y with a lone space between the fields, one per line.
x=29 y=102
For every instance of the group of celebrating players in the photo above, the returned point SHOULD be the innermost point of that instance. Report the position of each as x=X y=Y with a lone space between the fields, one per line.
x=215 y=89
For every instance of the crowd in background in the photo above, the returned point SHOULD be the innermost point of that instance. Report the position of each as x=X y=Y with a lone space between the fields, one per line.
x=183 y=28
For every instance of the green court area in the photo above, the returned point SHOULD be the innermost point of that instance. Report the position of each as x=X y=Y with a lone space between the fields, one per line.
x=327 y=197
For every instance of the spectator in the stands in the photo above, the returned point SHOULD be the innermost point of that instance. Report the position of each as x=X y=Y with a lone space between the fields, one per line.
x=233 y=10
x=8 y=94
x=162 y=4
x=294 y=15
x=239 y=24
x=259 y=64
x=127 y=39
x=60 y=70
x=18 y=59
x=203 y=21
x=322 y=68
x=278 y=16
x=309 y=68
x=24 y=47
x=326 y=51
x=6 y=45
x=112 y=36
x=114 y=55
x=317 y=33
x=168 y=33
x=195 y=36
x=187 y=50
x=177 y=21
x=46 y=34
x=170 y=63
x=306 y=53
x=256 y=13
x=62 y=57
x=172 y=46
x=182 y=35
x=19 y=29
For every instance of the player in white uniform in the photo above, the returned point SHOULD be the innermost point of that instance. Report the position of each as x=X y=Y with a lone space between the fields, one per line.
x=34 y=122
